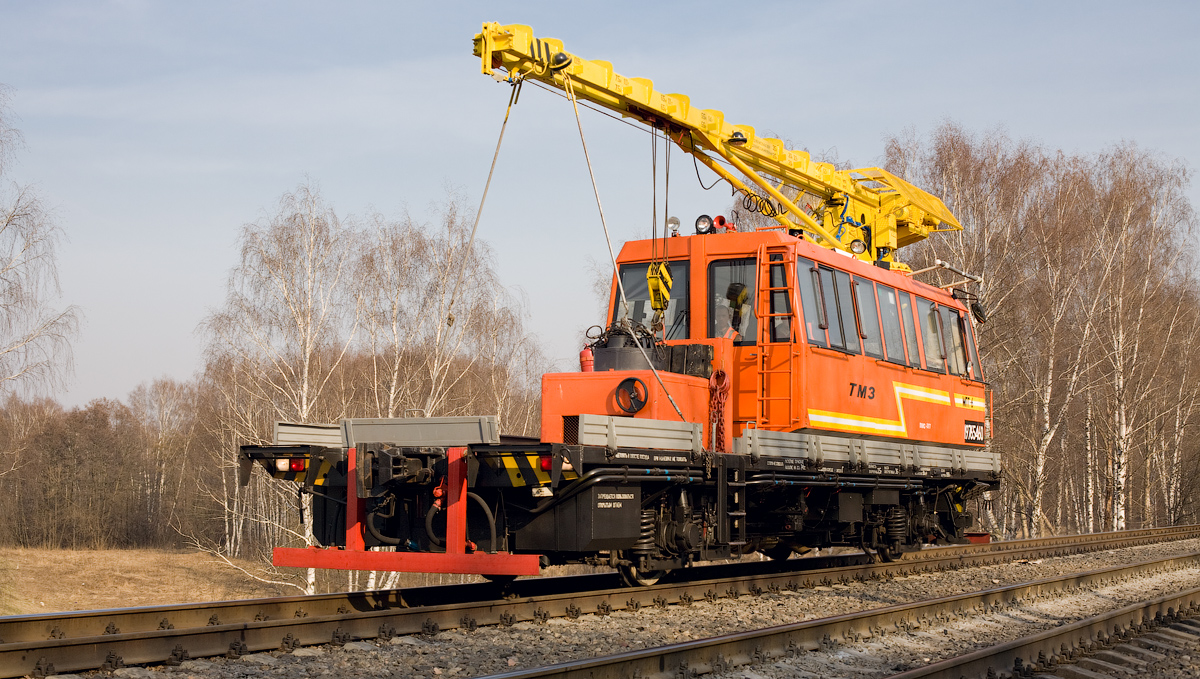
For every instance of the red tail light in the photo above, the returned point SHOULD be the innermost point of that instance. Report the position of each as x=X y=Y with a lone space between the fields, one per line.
x=547 y=463
x=297 y=464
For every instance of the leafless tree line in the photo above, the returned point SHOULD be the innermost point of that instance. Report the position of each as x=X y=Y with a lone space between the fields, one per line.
x=1095 y=312
x=329 y=318
x=325 y=317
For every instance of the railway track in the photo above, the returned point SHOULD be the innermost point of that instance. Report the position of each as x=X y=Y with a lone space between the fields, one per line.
x=1117 y=643
x=46 y=644
x=719 y=655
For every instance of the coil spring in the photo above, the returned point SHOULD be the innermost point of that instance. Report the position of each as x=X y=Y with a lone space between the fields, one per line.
x=896 y=523
x=645 y=541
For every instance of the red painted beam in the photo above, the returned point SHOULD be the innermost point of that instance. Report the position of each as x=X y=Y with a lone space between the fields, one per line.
x=478 y=563
x=356 y=507
x=456 y=500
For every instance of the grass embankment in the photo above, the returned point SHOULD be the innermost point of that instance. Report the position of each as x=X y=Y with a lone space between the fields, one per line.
x=48 y=580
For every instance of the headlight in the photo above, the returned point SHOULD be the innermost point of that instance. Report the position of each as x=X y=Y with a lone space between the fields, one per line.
x=857 y=246
x=704 y=224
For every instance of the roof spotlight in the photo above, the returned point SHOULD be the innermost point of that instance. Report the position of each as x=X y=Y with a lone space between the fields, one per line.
x=737 y=138
x=560 y=61
x=704 y=224
x=673 y=225
x=857 y=246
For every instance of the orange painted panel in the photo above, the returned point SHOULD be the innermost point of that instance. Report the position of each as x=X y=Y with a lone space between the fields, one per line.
x=595 y=393
x=830 y=390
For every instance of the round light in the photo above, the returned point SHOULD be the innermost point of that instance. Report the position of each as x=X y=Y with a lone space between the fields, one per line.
x=673 y=224
x=560 y=61
x=704 y=224
x=857 y=246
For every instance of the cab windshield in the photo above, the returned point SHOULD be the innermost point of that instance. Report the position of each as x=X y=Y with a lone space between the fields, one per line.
x=675 y=320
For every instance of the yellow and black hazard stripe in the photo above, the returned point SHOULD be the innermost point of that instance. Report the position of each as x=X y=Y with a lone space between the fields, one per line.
x=518 y=469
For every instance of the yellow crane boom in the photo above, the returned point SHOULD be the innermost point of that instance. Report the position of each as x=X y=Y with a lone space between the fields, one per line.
x=867 y=211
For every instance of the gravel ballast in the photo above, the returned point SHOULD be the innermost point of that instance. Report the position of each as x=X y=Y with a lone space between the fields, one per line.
x=490 y=650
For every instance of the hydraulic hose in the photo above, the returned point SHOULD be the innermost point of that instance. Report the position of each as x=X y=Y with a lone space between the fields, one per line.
x=376 y=534
x=487 y=511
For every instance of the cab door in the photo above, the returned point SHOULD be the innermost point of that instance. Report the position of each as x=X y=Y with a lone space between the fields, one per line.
x=732 y=287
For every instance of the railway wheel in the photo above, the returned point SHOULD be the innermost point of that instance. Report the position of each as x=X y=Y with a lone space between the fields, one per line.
x=889 y=553
x=779 y=552
x=636 y=577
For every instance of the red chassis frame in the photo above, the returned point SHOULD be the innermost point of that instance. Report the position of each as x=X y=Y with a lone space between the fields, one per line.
x=354 y=556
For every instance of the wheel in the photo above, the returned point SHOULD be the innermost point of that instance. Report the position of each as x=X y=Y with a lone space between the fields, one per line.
x=889 y=553
x=779 y=552
x=635 y=577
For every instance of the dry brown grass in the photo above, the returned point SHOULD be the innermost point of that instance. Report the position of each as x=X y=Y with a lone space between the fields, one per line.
x=47 y=580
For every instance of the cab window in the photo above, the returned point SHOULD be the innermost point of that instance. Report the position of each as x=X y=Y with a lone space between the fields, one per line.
x=956 y=353
x=731 y=300
x=845 y=296
x=781 y=303
x=835 y=298
x=675 y=320
x=889 y=311
x=808 y=276
x=829 y=308
x=868 y=317
x=931 y=335
x=976 y=368
x=910 y=330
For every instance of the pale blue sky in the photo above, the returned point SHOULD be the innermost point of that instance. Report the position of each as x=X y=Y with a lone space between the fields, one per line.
x=157 y=129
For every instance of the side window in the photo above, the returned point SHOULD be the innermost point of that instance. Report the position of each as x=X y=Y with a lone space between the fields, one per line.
x=845 y=296
x=675 y=320
x=889 y=311
x=868 y=317
x=829 y=305
x=931 y=335
x=781 y=327
x=956 y=353
x=814 y=321
x=976 y=368
x=837 y=309
x=731 y=300
x=910 y=329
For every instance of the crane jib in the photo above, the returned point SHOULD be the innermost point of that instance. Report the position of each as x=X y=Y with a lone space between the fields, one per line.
x=868 y=211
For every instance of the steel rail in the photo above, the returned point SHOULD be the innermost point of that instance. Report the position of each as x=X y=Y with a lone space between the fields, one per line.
x=730 y=651
x=1044 y=651
x=38 y=627
x=93 y=639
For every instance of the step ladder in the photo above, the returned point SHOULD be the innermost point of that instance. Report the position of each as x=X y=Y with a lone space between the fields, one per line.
x=731 y=500
x=775 y=309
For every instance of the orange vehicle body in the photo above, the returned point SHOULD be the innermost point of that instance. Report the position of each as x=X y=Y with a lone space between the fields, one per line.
x=787 y=382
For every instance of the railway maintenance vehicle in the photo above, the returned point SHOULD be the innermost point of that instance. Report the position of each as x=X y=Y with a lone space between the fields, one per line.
x=769 y=389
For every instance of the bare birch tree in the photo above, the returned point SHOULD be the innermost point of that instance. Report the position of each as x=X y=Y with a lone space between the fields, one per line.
x=1145 y=219
x=35 y=334
x=288 y=322
x=166 y=412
